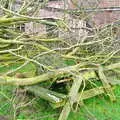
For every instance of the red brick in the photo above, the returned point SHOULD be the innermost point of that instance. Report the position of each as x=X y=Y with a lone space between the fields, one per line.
x=109 y=3
x=106 y=17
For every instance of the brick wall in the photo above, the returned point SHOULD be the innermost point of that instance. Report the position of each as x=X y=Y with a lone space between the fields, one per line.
x=99 y=18
x=109 y=3
x=106 y=17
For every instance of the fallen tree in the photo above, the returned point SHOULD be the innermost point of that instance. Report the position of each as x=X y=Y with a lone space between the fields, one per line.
x=53 y=75
x=92 y=58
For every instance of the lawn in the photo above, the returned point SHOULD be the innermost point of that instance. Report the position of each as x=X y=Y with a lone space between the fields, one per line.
x=16 y=105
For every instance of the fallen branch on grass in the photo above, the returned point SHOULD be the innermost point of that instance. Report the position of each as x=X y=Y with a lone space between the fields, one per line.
x=5 y=80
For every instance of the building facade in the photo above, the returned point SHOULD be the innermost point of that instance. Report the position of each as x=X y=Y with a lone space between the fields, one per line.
x=102 y=12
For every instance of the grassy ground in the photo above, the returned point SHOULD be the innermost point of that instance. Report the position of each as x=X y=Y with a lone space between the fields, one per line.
x=18 y=106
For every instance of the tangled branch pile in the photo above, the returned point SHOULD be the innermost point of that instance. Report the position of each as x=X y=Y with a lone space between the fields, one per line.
x=95 y=58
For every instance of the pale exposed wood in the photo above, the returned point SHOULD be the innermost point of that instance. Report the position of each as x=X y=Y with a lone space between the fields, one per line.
x=72 y=95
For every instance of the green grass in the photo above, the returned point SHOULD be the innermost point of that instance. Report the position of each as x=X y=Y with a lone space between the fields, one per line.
x=28 y=69
x=99 y=107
